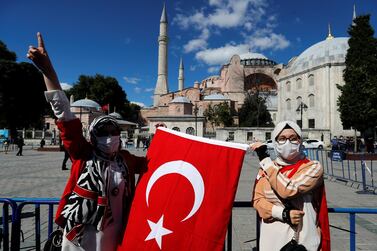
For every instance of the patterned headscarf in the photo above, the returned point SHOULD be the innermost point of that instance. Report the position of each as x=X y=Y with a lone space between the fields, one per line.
x=99 y=121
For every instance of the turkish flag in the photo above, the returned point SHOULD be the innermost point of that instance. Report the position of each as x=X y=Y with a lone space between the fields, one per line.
x=184 y=200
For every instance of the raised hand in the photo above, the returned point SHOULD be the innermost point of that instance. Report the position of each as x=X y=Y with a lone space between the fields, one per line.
x=39 y=55
x=40 y=58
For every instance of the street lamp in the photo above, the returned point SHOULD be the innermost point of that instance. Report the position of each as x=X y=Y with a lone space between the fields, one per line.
x=302 y=106
x=196 y=109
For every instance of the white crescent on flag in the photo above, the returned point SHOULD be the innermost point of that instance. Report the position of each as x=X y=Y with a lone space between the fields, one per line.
x=189 y=172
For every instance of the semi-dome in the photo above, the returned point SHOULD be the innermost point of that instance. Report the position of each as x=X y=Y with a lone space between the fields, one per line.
x=115 y=115
x=86 y=103
x=328 y=51
x=180 y=100
x=255 y=59
x=216 y=96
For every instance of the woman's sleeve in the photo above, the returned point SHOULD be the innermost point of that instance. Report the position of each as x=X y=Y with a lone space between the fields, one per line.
x=266 y=209
x=308 y=177
x=138 y=162
x=59 y=104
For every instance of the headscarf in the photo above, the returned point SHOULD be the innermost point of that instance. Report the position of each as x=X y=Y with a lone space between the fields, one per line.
x=93 y=132
x=275 y=133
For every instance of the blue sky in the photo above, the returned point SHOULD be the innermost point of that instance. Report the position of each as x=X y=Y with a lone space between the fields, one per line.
x=119 y=38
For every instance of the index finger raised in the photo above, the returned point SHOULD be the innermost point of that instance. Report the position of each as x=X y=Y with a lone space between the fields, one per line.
x=40 y=40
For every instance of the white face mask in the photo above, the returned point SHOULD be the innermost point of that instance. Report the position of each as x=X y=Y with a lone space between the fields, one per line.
x=288 y=151
x=108 y=145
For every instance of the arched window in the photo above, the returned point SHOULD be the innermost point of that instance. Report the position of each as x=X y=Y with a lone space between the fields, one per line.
x=311 y=100
x=190 y=131
x=299 y=83
x=288 y=101
x=311 y=80
x=298 y=99
x=288 y=84
x=176 y=129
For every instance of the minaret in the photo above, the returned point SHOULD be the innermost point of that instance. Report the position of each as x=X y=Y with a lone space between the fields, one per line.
x=181 y=76
x=354 y=14
x=329 y=36
x=162 y=79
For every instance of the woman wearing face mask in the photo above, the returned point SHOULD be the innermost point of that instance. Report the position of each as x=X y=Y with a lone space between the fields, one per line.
x=289 y=194
x=96 y=201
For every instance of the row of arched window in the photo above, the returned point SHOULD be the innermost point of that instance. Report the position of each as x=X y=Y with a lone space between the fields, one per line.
x=299 y=83
x=311 y=103
x=190 y=130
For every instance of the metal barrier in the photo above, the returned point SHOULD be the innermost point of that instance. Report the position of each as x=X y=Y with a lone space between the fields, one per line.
x=356 y=171
x=16 y=224
x=5 y=221
x=18 y=204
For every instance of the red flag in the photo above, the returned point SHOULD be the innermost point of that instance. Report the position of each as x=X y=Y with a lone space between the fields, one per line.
x=105 y=108
x=184 y=200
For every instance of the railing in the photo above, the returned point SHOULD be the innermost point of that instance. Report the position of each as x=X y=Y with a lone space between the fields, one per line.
x=359 y=172
x=17 y=205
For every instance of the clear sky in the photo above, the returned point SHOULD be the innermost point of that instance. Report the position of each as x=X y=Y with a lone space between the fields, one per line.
x=119 y=38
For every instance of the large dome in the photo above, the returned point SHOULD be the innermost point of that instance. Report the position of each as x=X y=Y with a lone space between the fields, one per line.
x=327 y=51
x=255 y=59
x=250 y=55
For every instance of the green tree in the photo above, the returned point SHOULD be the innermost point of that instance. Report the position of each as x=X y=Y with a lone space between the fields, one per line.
x=22 y=102
x=357 y=102
x=104 y=90
x=220 y=114
x=5 y=54
x=254 y=111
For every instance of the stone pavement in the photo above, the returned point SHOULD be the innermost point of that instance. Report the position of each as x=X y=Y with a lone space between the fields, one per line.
x=39 y=174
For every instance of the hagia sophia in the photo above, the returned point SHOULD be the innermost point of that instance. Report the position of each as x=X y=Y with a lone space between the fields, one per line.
x=305 y=86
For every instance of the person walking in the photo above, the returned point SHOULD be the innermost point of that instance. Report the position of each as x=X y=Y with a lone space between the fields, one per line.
x=66 y=157
x=20 y=144
x=96 y=201
x=6 y=145
x=289 y=195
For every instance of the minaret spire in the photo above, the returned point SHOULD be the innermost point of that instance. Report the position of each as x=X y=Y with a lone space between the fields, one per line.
x=354 y=14
x=162 y=78
x=329 y=36
x=181 y=77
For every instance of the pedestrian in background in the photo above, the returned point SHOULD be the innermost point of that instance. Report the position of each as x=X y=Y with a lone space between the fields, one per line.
x=20 y=144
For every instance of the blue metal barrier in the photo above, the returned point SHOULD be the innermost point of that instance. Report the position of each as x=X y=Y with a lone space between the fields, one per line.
x=357 y=171
x=16 y=225
x=18 y=204
x=5 y=220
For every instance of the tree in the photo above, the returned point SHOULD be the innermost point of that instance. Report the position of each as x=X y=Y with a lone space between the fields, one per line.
x=104 y=90
x=5 y=54
x=357 y=102
x=22 y=101
x=254 y=111
x=220 y=114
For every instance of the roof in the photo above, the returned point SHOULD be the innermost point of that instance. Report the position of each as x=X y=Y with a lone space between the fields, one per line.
x=327 y=51
x=216 y=96
x=116 y=115
x=86 y=103
x=180 y=100
x=251 y=55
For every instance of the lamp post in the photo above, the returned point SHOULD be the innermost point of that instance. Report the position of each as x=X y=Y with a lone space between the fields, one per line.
x=302 y=106
x=196 y=109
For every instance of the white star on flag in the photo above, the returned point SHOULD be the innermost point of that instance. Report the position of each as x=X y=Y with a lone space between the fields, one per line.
x=157 y=231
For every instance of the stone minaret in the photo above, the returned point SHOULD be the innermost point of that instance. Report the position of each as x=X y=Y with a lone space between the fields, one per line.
x=181 y=76
x=162 y=79
x=354 y=15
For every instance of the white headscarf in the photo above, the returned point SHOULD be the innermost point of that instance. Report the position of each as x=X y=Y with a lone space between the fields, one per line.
x=275 y=133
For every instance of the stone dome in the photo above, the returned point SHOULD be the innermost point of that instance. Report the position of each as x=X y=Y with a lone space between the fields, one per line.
x=180 y=100
x=255 y=59
x=115 y=115
x=327 y=51
x=86 y=103
x=215 y=96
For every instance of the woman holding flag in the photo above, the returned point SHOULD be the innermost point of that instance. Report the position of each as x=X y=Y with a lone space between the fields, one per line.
x=94 y=208
x=289 y=195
